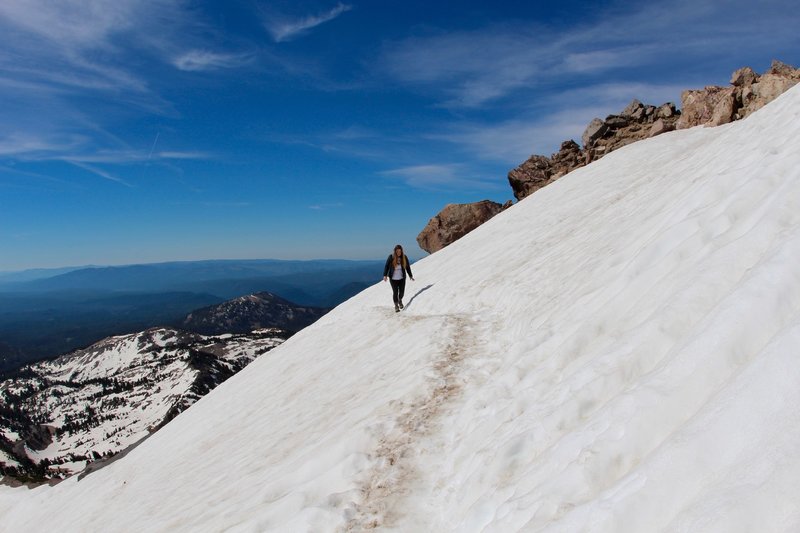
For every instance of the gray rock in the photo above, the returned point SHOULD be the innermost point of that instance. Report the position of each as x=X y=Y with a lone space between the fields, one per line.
x=616 y=121
x=593 y=131
x=659 y=127
x=632 y=108
x=666 y=111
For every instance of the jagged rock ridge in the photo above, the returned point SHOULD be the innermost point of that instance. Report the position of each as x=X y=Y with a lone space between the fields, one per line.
x=749 y=92
x=711 y=106
x=636 y=122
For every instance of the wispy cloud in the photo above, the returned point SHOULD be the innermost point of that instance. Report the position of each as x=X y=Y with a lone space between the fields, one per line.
x=323 y=207
x=283 y=29
x=439 y=176
x=27 y=174
x=80 y=149
x=33 y=146
x=69 y=68
x=100 y=172
x=470 y=68
x=556 y=118
x=202 y=60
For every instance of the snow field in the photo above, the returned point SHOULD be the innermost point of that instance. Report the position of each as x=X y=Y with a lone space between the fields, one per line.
x=616 y=353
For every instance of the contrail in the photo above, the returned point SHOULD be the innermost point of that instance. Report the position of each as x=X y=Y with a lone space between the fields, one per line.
x=154 y=146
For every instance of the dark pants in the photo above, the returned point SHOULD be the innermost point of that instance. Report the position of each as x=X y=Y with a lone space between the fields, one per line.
x=398 y=289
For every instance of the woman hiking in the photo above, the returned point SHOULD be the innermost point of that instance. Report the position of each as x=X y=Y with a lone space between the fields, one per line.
x=395 y=271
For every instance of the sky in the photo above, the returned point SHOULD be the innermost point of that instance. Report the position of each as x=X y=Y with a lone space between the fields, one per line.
x=136 y=131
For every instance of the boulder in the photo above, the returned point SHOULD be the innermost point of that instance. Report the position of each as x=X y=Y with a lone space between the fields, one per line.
x=659 y=127
x=700 y=106
x=455 y=221
x=530 y=176
x=616 y=121
x=744 y=76
x=667 y=110
x=633 y=108
x=593 y=131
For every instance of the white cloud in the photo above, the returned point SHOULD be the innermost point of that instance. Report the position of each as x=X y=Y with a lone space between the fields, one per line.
x=74 y=24
x=283 y=30
x=200 y=60
x=31 y=145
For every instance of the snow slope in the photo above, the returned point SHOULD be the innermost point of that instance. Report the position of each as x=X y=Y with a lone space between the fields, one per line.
x=618 y=352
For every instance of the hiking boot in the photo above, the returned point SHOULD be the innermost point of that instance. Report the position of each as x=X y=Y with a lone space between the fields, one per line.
x=401 y=305
x=396 y=308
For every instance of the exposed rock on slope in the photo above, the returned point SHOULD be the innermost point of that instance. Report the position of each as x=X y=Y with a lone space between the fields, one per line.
x=711 y=106
x=247 y=313
x=634 y=123
x=539 y=170
x=455 y=221
x=749 y=92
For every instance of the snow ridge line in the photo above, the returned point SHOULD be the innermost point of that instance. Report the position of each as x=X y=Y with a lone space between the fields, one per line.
x=387 y=482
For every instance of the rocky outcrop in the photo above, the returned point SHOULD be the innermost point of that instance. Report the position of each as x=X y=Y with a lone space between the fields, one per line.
x=636 y=122
x=715 y=105
x=539 y=170
x=455 y=221
x=710 y=106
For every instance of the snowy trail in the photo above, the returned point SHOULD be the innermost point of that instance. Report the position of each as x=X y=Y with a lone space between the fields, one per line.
x=395 y=468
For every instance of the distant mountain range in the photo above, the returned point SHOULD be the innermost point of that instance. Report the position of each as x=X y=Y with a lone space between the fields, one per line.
x=47 y=312
x=188 y=275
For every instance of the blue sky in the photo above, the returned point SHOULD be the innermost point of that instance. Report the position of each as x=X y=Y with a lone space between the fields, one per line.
x=151 y=130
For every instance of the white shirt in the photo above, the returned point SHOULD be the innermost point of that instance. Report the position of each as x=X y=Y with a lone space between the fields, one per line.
x=398 y=271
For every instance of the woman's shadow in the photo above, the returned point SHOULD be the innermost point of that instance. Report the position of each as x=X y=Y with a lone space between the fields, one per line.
x=423 y=289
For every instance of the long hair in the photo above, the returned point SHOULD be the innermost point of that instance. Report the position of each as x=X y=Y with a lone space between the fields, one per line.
x=395 y=258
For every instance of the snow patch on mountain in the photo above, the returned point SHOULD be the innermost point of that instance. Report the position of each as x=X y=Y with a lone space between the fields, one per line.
x=99 y=401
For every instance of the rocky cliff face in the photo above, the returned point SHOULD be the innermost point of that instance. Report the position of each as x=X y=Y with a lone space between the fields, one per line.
x=710 y=106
